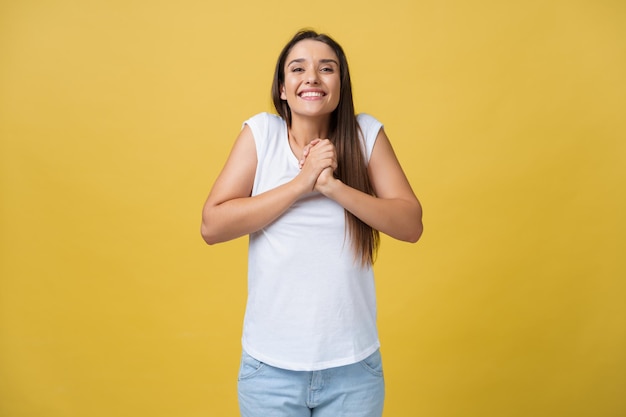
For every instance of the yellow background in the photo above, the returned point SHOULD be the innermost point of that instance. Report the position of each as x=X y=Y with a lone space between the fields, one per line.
x=509 y=118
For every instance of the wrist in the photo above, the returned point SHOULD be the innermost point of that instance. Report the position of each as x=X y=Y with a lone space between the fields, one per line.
x=300 y=185
x=330 y=188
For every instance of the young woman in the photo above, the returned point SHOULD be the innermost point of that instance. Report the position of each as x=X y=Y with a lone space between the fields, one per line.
x=312 y=187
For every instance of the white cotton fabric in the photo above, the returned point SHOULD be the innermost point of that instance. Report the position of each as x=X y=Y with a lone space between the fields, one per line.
x=310 y=305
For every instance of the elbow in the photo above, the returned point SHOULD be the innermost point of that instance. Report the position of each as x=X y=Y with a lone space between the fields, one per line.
x=216 y=229
x=409 y=234
x=210 y=227
x=207 y=234
x=415 y=234
x=408 y=228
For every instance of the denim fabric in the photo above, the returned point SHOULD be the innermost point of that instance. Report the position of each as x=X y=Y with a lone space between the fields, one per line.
x=356 y=390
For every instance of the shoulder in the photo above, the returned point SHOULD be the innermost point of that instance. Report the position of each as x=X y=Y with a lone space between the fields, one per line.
x=267 y=130
x=370 y=127
x=368 y=123
x=264 y=126
x=264 y=121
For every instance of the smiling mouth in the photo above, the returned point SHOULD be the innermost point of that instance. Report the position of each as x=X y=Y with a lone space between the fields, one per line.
x=312 y=94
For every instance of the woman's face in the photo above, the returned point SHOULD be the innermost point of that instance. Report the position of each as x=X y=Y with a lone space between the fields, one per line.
x=312 y=79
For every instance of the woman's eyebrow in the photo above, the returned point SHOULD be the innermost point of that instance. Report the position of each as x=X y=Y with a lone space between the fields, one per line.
x=298 y=60
x=322 y=61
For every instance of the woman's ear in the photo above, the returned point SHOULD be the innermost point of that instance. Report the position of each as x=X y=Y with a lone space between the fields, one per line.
x=283 y=94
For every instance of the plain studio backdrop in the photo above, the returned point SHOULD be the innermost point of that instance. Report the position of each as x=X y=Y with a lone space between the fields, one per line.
x=508 y=117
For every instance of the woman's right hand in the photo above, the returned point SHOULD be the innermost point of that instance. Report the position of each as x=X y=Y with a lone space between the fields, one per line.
x=319 y=161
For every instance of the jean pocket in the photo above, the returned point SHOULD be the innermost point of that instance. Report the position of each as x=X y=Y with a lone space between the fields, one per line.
x=249 y=366
x=373 y=364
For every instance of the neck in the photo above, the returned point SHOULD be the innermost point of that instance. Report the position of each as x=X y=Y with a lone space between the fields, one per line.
x=304 y=130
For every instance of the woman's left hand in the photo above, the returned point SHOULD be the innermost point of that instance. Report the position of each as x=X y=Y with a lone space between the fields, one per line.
x=321 y=150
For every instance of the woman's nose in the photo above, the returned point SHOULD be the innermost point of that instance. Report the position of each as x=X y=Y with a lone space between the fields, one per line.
x=312 y=78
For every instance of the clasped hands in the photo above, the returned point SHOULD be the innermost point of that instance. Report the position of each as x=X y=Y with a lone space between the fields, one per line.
x=317 y=164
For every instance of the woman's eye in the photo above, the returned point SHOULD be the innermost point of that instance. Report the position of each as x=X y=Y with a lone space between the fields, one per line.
x=297 y=69
x=327 y=69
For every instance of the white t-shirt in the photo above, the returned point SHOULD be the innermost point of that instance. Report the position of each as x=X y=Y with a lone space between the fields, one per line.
x=310 y=305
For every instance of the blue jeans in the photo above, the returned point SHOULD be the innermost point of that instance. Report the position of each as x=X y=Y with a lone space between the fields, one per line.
x=356 y=390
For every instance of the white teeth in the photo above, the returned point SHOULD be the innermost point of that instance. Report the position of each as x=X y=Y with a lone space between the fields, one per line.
x=311 y=94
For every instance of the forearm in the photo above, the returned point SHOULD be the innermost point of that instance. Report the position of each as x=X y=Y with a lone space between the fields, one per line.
x=398 y=218
x=241 y=216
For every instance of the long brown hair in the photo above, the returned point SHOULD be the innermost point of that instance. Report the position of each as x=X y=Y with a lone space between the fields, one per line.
x=344 y=133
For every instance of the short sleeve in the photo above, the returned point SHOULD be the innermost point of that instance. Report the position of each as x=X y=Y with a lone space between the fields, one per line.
x=258 y=124
x=266 y=128
x=370 y=127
